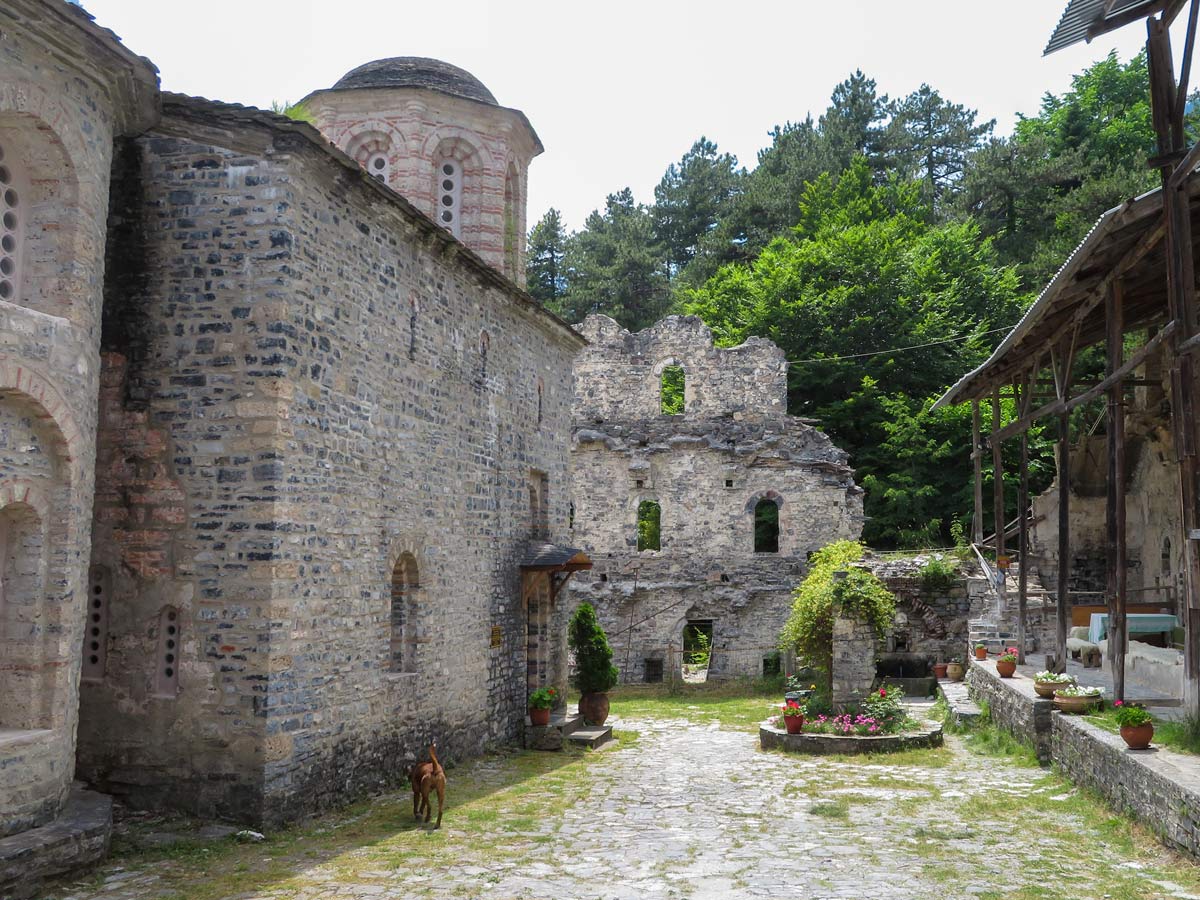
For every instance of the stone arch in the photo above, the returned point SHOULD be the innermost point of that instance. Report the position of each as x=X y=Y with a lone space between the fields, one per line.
x=467 y=150
x=48 y=403
x=408 y=614
x=45 y=183
x=373 y=139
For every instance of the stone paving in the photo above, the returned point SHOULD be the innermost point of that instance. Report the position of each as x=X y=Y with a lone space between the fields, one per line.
x=697 y=811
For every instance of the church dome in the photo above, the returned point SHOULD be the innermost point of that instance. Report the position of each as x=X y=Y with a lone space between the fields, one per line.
x=417 y=72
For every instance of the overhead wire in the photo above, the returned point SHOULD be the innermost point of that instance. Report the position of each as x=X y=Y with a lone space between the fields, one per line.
x=955 y=340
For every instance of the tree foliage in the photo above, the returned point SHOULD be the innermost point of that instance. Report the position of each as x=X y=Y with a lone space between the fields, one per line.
x=545 y=273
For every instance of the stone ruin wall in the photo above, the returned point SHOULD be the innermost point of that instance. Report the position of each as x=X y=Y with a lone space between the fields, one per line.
x=62 y=99
x=297 y=390
x=707 y=468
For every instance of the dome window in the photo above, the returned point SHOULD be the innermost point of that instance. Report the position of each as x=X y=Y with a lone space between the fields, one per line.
x=449 y=194
x=377 y=166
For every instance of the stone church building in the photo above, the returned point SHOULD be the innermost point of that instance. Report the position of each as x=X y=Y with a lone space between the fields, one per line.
x=696 y=495
x=278 y=430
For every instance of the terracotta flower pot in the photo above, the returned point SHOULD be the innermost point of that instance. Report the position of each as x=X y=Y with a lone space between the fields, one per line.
x=954 y=671
x=939 y=670
x=981 y=652
x=1075 y=704
x=1006 y=668
x=539 y=716
x=793 y=723
x=1138 y=737
x=594 y=708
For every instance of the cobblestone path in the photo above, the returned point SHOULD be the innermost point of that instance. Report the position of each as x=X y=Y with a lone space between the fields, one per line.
x=690 y=811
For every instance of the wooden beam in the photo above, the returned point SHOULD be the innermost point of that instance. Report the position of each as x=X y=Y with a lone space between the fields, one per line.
x=1063 y=607
x=977 y=522
x=997 y=475
x=1105 y=24
x=1023 y=549
x=1124 y=369
x=1114 y=510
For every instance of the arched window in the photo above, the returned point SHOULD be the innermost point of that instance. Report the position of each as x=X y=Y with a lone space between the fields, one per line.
x=21 y=601
x=649 y=525
x=766 y=526
x=405 y=587
x=11 y=221
x=671 y=390
x=511 y=226
x=449 y=195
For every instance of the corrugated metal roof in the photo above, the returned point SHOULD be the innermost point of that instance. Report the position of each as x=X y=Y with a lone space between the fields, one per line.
x=1081 y=15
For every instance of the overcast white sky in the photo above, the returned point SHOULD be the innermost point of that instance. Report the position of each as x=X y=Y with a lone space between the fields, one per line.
x=619 y=89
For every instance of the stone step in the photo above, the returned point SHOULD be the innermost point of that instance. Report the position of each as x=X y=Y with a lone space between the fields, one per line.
x=591 y=735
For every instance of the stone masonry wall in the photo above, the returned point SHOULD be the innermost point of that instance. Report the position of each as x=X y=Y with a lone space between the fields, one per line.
x=64 y=93
x=708 y=468
x=853 y=668
x=314 y=382
x=1012 y=705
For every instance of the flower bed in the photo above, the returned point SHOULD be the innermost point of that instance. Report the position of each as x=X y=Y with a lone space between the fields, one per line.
x=880 y=723
x=922 y=735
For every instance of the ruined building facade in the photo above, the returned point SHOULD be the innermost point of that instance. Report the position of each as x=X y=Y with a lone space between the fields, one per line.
x=274 y=443
x=742 y=493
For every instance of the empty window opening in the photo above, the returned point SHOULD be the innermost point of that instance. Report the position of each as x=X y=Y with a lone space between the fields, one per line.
x=728 y=482
x=724 y=578
x=21 y=605
x=639 y=484
x=671 y=391
x=652 y=671
x=540 y=392
x=449 y=194
x=11 y=216
x=604 y=576
x=649 y=526
x=405 y=587
x=166 y=670
x=1166 y=558
x=95 y=634
x=766 y=526
x=772 y=665
x=697 y=648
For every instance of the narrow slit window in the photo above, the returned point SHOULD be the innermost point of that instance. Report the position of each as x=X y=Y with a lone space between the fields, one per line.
x=449 y=194
x=671 y=391
x=166 y=672
x=649 y=526
x=766 y=526
x=405 y=587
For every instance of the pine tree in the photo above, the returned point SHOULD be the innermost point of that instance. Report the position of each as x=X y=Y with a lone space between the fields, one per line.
x=544 y=270
x=692 y=197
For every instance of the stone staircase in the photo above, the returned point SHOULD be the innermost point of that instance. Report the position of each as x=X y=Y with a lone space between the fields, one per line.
x=566 y=727
x=995 y=626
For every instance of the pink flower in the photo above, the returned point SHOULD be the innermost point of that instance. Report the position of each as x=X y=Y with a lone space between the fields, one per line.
x=1119 y=703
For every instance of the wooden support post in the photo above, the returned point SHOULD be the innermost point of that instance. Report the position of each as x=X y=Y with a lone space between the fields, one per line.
x=977 y=459
x=1115 y=506
x=1023 y=548
x=997 y=474
x=1064 y=542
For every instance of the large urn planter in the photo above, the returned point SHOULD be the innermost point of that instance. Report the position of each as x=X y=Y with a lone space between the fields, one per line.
x=1006 y=668
x=954 y=671
x=539 y=716
x=1138 y=737
x=594 y=708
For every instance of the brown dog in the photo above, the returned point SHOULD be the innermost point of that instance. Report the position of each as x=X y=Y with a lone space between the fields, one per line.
x=426 y=777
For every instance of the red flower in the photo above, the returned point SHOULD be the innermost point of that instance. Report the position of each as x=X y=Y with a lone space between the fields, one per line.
x=1119 y=703
x=883 y=692
x=551 y=690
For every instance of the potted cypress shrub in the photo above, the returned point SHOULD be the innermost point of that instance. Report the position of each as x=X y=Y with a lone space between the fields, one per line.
x=594 y=669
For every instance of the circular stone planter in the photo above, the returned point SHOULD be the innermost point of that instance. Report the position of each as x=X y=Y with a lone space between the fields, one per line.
x=770 y=737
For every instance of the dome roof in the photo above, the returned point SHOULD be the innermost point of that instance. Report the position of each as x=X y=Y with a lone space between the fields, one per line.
x=417 y=72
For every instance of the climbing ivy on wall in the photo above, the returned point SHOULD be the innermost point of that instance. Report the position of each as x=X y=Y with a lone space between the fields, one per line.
x=821 y=596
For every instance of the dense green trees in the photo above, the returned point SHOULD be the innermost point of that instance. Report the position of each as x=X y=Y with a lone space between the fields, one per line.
x=886 y=247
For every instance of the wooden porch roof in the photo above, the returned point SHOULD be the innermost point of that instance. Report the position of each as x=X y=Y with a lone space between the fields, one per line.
x=1127 y=243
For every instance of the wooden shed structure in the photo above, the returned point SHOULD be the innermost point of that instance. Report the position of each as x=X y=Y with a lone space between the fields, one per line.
x=1133 y=278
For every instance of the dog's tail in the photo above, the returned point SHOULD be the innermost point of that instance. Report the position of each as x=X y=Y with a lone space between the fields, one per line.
x=433 y=754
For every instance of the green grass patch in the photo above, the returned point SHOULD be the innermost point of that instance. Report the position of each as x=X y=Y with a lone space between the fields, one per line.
x=838 y=808
x=991 y=740
x=737 y=704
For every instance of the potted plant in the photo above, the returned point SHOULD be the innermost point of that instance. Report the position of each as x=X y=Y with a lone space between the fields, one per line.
x=1046 y=683
x=939 y=671
x=1137 y=728
x=793 y=717
x=540 y=702
x=594 y=669
x=981 y=651
x=1076 y=699
x=954 y=670
x=1006 y=665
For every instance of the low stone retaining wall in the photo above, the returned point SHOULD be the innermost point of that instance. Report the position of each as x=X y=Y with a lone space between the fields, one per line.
x=1013 y=705
x=76 y=839
x=1159 y=787
x=770 y=737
